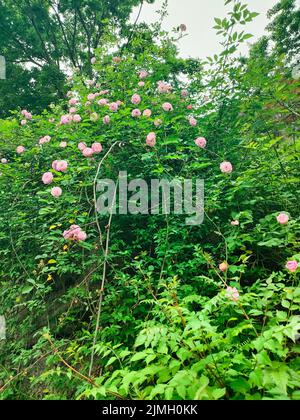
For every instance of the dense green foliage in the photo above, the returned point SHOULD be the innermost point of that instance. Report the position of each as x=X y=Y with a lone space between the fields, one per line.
x=168 y=326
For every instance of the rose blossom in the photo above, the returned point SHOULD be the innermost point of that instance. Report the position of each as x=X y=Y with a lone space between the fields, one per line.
x=65 y=119
x=72 y=110
x=76 y=118
x=117 y=60
x=193 y=121
x=73 y=101
x=232 y=293
x=223 y=267
x=102 y=102
x=4 y=161
x=147 y=113
x=81 y=146
x=167 y=107
x=141 y=84
x=56 y=192
x=164 y=87
x=113 y=107
x=136 y=113
x=88 y=152
x=60 y=165
x=226 y=167
x=47 y=178
x=97 y=147
x=106 y=119
x=20 y=149
x=151 y=139
x=75 y=233
x=136 y=99
x=143 y=74
x=234 y=223
x=200 y=142
x=157 y=122
x=184 y=93
x=282 y=218
x=63 y=144
x=23 y=122
x=292 y=266
x=91 y=97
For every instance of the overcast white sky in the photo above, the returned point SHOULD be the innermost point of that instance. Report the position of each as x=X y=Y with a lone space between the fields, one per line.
x=198 y=15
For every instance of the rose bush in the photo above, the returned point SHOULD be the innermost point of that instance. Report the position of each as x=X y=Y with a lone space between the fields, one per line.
x=145 y=306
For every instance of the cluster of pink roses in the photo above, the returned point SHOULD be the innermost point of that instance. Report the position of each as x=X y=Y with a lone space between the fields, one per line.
x=164 y=87
x=44 y=140
x=75 y=233
x=69 y=118
x=27 y=115
x=88 y=152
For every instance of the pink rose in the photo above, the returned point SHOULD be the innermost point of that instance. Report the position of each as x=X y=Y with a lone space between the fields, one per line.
x=63 y=144
x=184 y=93
x=60 y=165
x=147 y=113
x=20 y=149
x=167 y=107
x=223 y=267
x=81 y=236
x=4 y=161
x=97 y=148
x=106 y=119
x=235 y=223
x=73 y=101
x=292 y=266
x=88 y=152
x=23 y=122
x=189 y=107
x=47 y=178
x=232 y=293
x=226 y=167
x=157 y=122
x=164 y=87
x=193 y=121
x=143 y=74
x=28 y=116
x=200 y=142
x=117 y=60
x=75 y=233
x=76 y=118
x=151 y=139
x=65 y=119
x=141 y=84
x=136 y=113
x=56 y=192
x=24 y=112
x=113 y=107
x=72 y=110
x=136 y=99
x=81 y=146
x=102 y=102
x=91 y=97
x=282 y=218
